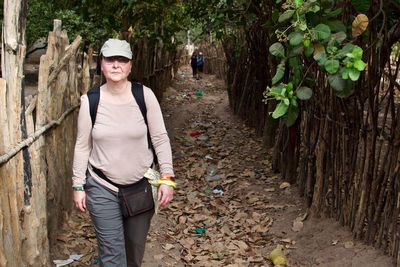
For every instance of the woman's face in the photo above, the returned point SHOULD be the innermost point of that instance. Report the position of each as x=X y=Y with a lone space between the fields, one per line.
x=116 y=69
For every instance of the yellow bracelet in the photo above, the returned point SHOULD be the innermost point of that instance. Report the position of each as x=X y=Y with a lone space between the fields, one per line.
x=167 y=179
x=167 y=182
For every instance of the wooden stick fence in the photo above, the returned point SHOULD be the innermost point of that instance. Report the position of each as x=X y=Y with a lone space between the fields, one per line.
x=30 y=167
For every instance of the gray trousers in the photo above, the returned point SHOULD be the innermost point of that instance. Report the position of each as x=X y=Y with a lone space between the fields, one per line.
x=121 y=240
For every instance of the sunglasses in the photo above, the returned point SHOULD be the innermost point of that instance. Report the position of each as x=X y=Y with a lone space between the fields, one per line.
x=118 y=59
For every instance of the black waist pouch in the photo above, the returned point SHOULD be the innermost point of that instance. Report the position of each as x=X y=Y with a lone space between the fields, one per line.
x=136 y=198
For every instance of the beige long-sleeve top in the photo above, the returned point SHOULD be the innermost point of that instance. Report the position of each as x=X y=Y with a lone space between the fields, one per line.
x=117 y=144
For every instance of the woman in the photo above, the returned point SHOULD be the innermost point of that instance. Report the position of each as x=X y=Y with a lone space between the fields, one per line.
x=116 y=147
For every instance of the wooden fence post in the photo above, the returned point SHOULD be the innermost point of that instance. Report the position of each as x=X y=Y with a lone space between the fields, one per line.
x=12 y=175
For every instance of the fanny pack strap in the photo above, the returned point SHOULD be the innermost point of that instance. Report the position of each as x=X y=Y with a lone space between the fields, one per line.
x=102 y=176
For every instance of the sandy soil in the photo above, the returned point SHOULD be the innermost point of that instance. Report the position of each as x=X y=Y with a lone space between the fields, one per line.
x=252 y=212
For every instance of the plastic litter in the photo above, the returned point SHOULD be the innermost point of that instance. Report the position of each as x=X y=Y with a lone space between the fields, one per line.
x=212 y=170
x=200 y=230
x=203 y=137
x=60 y=263
x=194 y=133
x=198 y=93
x=218 y=190
x=212 y=174
x=277 y=256
x=71 y=259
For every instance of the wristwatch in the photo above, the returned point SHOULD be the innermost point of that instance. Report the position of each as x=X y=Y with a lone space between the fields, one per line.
x=78 y=188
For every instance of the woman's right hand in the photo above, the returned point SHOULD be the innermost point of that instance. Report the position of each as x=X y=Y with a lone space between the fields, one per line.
x=80 y=200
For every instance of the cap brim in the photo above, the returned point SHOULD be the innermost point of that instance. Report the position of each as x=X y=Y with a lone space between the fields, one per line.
x=116 y=54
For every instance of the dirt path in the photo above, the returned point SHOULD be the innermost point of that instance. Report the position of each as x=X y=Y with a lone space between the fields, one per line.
x=242 y=221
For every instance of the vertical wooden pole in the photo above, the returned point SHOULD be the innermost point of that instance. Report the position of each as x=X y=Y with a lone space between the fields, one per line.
x=11 y=173
x=4 y=144
x=87 y=58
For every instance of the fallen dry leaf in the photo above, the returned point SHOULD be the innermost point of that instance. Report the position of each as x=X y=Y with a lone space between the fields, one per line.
x=158 y=257
x=348 y=244
x=168 y=246
x=269 y=189
x=297 y=226
x=284 y=185
x=64 y=238
x=359 y=25
x=187 y=242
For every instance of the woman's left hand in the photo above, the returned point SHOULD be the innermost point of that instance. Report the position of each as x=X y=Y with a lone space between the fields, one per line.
x=165 y=195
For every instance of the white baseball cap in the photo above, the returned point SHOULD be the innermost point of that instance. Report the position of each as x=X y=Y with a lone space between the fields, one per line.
x=116 y=47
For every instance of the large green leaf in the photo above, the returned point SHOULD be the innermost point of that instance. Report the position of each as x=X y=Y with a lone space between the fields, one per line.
x=291 y=116
x=333 y=13
x=293 y=102
x=302 y=25
x=286 y=15
x=336 y=82
x=280 y=72
x=286 y=101
x=356 y=53
x=298 y=3
x=336 y=26
x=320 y=58
x=331 y=47
x=296 y=66
x=308 y=51
x=346 y=92
x=311 y=6
x=295 y=38
x=304 y=93
x=280 y=110
x=278 y=92
x=354 y=74
x=322 y=31
x=277 y=50
x=331 y=66
x=359 y=65
x=345 y=50
x=339 y=36
x=345 y=73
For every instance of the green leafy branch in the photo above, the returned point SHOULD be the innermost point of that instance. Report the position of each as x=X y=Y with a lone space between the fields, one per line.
x=310 y=29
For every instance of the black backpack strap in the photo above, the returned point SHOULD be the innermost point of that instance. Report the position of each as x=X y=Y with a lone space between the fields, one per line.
x=94 y=98
x=138 y=94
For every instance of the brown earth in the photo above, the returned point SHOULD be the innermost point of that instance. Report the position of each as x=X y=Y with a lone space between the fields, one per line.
x=240 y=226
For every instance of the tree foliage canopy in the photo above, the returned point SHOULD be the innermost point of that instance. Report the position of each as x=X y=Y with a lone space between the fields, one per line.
x=96 y=21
